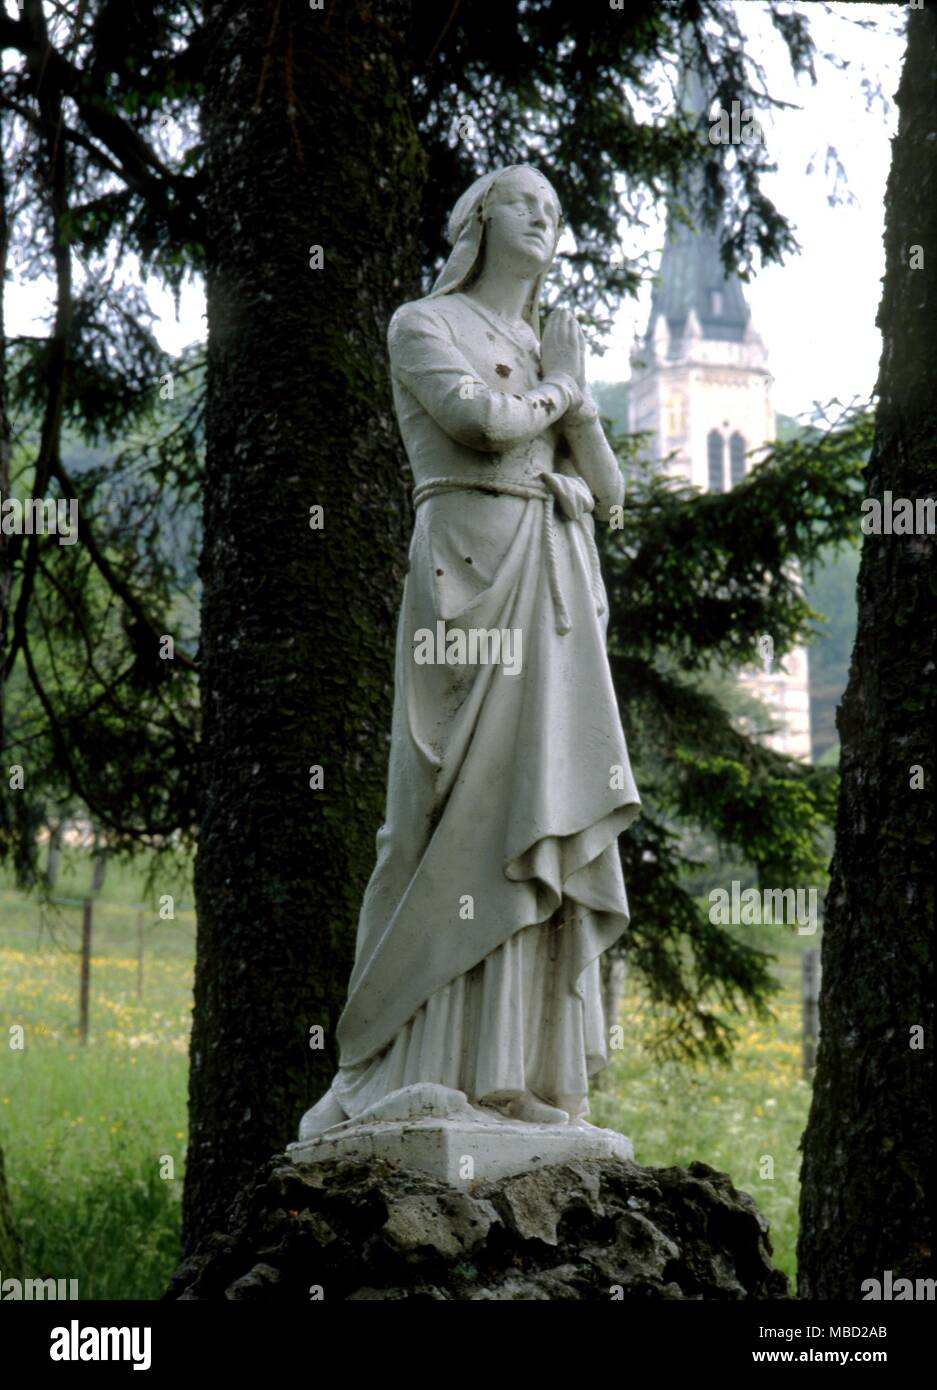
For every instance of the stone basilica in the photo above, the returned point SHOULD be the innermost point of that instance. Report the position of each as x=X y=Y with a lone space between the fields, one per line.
x=700 y=384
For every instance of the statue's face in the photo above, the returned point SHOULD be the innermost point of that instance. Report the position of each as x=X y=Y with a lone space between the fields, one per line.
x=522 y=222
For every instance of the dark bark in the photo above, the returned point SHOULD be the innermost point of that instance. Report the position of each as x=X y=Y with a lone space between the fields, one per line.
x=6 y=554
x=868 y=1170
x=309 y=141
x=10 y=1253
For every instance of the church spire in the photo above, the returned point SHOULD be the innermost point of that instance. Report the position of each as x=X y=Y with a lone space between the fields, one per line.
x=692 y=276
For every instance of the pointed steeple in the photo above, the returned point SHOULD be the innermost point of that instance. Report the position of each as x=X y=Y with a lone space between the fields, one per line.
x=691 y=273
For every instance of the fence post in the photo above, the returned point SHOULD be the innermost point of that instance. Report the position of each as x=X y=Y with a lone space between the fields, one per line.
x=85 y=972
x=613 y=987
x=811 y=1007
x=54 y=851
x=140 y=954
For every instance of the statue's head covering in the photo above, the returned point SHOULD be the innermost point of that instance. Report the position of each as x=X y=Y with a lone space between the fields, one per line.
x=466 y=232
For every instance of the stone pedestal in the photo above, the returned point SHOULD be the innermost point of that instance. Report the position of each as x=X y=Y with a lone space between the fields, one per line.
x=435 y=1130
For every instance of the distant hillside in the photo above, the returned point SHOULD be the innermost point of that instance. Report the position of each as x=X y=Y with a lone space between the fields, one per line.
x=832 y=592
x=137 y=491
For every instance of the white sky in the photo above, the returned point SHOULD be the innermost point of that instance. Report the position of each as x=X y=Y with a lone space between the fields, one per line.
x=817 y=312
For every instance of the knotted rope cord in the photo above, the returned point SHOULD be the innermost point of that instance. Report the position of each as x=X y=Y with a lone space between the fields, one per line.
x=432 y=487
x=596 y=568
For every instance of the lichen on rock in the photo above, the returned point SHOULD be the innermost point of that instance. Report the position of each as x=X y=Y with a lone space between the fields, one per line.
x=593 y=1229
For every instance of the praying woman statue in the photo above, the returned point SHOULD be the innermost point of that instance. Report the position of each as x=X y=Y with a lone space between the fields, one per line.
x=498 y=882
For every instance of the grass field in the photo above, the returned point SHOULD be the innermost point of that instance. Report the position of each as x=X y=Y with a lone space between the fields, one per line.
x=733 y=1118
x=94 y=1137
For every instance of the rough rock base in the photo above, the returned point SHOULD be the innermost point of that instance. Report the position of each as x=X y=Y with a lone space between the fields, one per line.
x=594 y=1229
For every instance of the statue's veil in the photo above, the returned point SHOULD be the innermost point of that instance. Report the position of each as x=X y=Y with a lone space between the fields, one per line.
x=466 y=232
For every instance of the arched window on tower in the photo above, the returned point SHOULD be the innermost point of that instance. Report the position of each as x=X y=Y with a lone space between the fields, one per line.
x=716 y=449
x=737 y=458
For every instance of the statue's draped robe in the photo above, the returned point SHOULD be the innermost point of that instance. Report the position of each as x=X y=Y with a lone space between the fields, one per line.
x=498 y=882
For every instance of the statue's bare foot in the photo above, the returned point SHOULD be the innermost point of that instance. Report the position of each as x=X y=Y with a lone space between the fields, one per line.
x=323 y=1115
x=577 y=1108
x=523 y=1105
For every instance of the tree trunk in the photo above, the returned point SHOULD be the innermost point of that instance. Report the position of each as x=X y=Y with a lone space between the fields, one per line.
x=5 y=451
x=309 y=143
x=10 y=1252
x=866 y=1204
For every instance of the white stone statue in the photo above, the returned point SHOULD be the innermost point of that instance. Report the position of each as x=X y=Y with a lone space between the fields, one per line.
x=498 y=882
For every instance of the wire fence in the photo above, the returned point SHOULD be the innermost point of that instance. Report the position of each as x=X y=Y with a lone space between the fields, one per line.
x=146 y=918
x=811 y=972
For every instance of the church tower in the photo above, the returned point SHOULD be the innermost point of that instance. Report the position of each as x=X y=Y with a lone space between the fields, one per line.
x=700 y=384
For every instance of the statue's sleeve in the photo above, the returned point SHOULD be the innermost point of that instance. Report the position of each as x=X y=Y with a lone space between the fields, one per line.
x=429 y=364
x=594 y=459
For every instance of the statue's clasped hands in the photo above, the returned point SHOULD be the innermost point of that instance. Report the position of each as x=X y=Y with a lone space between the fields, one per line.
x=563 y=349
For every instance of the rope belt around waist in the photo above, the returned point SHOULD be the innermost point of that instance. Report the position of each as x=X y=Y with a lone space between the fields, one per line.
x=533 y=492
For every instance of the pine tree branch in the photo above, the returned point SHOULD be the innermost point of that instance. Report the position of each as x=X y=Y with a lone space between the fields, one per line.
x=139 y=165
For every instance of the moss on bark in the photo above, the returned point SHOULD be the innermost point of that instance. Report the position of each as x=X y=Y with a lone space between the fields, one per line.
x=867 y=1198
x=309 y=143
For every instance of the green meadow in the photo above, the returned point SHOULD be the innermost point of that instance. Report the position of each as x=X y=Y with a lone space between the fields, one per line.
x=94 y=1136
x=744 y=1119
